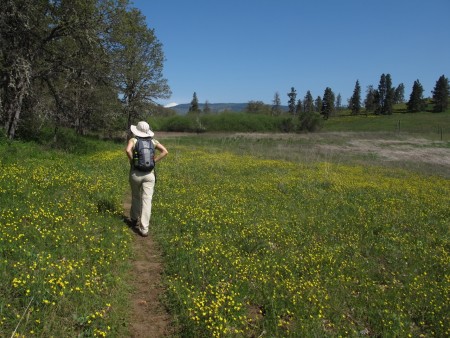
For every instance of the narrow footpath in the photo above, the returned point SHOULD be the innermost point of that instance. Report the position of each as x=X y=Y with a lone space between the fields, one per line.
x=149 y=318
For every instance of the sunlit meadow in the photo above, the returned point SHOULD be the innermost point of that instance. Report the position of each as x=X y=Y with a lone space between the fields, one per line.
x=253 y=247
x=63 y=246
x=272 y=248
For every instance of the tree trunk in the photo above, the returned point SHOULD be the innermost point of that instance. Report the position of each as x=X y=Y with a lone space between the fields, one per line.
x=16 y=88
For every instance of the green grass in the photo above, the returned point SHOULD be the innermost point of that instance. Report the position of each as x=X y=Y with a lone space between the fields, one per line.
x=63 y=246
x=262 y=236
x=267 y=247
x=429 y=124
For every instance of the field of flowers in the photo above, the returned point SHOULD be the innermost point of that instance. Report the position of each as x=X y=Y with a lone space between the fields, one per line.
x=253 y=247
x=271 y=248
x=63 y=246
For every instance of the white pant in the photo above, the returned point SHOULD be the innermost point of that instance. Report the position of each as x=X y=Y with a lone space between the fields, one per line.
x=142 y=187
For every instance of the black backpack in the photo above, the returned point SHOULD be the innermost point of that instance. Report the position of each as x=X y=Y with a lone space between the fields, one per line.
x=144 y=154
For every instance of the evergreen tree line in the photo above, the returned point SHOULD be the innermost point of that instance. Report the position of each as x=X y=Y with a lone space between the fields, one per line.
x=379 y=101
x=87 y=65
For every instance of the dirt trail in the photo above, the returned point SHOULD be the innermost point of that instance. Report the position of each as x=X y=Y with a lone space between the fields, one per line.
x=149 y=318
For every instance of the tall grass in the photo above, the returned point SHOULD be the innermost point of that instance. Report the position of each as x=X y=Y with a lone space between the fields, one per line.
x=227 y=122
x=260 y=247
x=63 y=247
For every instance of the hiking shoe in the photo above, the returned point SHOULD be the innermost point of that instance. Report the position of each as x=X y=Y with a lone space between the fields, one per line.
x=143 y=234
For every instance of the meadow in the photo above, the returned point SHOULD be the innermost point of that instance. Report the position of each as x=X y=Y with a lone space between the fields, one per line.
x=64 y=251
x=260 y=247
x=261 y=236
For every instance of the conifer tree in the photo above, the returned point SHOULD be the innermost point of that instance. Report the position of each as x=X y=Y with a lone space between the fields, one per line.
x=308 y=102
x=355 y=100
x=328 y=103
x=276 y=108
x=380 y=95
x=338 y=104
x=385 y=95
x=388 y=107
x=318 y=104
x=399 y=96
x=206 y=108
x=298 y=107
x=194 y=104
x=292 y=100
x=441 y=94
x=370 y=101
x=416 y=102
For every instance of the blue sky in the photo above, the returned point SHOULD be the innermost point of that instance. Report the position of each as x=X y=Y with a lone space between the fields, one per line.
x=235 y=51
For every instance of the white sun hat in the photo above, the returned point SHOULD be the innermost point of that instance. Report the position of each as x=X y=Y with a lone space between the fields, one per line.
x=142 y=130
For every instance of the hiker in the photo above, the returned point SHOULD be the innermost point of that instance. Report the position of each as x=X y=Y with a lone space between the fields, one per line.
x=142 y=181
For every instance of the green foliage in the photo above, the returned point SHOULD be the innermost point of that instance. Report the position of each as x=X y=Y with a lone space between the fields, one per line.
x=206 y=108
x=355 y=100
x=441 y=93
x=276 y=107
x=370 y=102
x=67 y=62
x=224 y=122
x=288 y=124
x=194 y=104
x=416 y=101
x=308 y=102
x=318 y=104
x=328 y=103
x=385 y=95
x=176 y=123
x=310 y=121
x=258 y=107
x=399 y=96
x=292 y=100
x=241 y=122
x=63 y=139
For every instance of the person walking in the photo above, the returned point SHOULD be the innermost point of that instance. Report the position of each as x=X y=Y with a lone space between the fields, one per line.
x=142 y=183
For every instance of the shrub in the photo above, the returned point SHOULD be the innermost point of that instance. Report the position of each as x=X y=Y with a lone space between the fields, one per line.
x=310 y=122
x=178 y=123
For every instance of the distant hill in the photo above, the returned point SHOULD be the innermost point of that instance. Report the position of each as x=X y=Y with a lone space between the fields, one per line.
x=183 y=108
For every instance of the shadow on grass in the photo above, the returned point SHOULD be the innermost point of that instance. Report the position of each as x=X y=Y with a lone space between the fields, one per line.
x=132 y=225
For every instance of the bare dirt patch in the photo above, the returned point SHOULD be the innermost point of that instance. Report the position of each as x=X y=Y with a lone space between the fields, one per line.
x=149 y=317
x=411 y=150
x=384 y=147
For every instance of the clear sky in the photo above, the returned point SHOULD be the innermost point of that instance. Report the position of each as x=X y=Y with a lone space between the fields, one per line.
x=235 y=51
